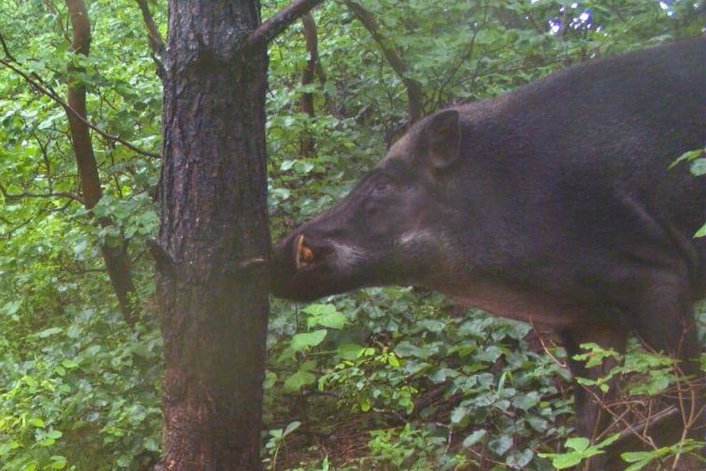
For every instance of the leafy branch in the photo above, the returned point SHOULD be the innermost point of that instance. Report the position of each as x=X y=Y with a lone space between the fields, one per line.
x=41 y=86
x=10 y=197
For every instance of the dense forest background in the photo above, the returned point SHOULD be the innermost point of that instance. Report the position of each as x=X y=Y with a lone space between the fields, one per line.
x=392 y=378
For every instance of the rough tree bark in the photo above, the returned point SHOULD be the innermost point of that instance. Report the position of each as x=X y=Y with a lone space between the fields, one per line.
x=115 y=257
x=214 y=240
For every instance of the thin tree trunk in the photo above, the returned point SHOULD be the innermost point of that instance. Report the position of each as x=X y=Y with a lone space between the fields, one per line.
x=307 y=144
x=116 y=257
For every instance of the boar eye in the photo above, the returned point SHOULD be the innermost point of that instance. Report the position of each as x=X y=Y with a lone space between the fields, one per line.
x=382 y=185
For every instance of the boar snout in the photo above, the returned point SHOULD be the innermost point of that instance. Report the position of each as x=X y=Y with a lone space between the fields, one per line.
x=298 y=261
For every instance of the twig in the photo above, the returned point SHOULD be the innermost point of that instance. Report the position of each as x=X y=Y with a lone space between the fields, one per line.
x=540 y=337
x=656 y=419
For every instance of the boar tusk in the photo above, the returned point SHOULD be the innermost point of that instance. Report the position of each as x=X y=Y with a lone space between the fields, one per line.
x=299 y=243
x=303 y=255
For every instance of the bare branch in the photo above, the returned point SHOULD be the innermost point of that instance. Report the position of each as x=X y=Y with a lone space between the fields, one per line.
x=279 y=22
x=415 y=96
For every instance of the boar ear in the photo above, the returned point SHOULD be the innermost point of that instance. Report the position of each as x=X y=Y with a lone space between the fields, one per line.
x=443 y=135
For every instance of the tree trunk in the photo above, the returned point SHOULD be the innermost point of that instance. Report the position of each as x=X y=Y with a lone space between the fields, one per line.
x=213 y=237
x=115 y=257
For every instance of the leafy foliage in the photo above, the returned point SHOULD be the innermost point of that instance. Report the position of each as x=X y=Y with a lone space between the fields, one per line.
x=581 y=449
x=393 y=378
x=79 y=389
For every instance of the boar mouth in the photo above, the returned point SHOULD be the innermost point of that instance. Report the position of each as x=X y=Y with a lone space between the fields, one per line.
x=308 y=255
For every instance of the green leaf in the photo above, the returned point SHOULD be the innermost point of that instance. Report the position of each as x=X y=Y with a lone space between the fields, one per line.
x=701 y=232
x=408 y=349
x=151 y=444
x=520 y=459
x=12 y=307
x=634 y=456
x=325 y=315
x=69 y=364
x=392 y=360
x=578 y=443
x=270 y=379
x=637 y=466
x=698 y=167
x=365 y=404
x=298 y=380
x=567 y=460
x=430 y=324
x=526 y=401
x=440 y=375
x=291 y=427
x=501 y=445
x=48 y=332
x=490 y=354
x=538 y=423
x=474 y=438
x=319 y=309
x=608 y=441
x=58 y=462
x=458 y=415
x=349 y=351
x=304 y=341
x=36 y=422
x=687 y=157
